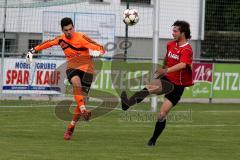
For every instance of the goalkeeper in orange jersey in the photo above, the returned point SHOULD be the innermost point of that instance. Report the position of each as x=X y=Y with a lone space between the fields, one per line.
x=79 y=50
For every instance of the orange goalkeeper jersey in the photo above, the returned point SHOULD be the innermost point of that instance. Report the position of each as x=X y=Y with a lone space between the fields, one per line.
x=75 y=49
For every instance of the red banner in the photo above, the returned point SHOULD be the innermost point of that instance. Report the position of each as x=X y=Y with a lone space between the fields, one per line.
x=202 y=72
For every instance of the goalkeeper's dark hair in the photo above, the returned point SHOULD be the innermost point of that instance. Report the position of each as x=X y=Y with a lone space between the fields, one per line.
x=66 y=21
x=183 y=27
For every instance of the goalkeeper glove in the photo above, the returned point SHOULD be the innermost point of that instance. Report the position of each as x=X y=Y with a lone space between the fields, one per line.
x=95 y=53
x=29 y=55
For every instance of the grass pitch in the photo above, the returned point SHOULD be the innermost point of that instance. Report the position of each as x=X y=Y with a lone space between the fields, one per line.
x=193 y=132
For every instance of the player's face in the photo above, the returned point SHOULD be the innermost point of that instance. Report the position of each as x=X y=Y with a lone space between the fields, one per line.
x=68 y=31
x=176 y=33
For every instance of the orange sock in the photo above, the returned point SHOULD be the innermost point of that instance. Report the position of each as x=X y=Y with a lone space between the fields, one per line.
x=80 y=102
x=79 y=98
x=75 y=118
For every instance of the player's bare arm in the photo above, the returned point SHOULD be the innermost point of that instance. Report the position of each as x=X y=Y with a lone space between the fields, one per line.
x=174 y=68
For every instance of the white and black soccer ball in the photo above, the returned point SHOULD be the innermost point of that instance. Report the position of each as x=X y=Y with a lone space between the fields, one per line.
x=130 y=17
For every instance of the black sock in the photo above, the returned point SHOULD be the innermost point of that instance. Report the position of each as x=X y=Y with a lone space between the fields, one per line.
x=138 y=97
x=159 y=127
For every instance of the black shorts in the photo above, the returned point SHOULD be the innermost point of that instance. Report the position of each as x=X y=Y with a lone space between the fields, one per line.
x=175 y=95
x=86 y=78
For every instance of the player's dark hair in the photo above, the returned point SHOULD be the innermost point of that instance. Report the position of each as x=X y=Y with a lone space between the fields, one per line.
x=66 y=21
x=183 y=27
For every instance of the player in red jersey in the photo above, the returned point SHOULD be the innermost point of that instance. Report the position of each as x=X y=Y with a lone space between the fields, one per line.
x=79 y=50
x=169 y=80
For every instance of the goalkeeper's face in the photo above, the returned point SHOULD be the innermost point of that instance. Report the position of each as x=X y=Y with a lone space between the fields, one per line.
x=68 y=31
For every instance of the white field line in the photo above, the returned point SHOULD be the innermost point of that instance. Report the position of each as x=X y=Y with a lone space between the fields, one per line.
x=131 y=110
x=36 y=106
x=204 y=125
x=9 y=126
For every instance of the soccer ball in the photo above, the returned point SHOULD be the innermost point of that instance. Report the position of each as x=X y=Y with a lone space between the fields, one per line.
x=130 y=17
